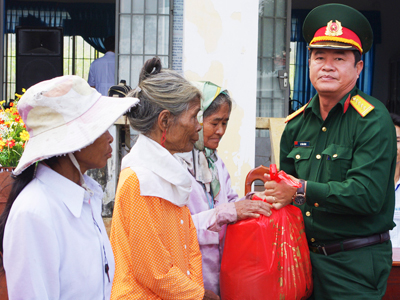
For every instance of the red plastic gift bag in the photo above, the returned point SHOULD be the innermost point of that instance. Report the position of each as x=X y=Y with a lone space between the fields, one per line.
x=267 y=258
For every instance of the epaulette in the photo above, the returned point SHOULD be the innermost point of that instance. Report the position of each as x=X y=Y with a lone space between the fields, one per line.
x=362 y=106
x=296 y=113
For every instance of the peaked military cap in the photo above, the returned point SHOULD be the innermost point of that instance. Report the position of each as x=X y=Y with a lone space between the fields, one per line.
x=337 y=26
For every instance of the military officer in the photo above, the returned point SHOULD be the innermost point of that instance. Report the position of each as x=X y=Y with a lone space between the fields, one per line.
x=342 y=147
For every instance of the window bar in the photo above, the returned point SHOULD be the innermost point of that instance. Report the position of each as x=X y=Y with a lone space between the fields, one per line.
x=144 y=32
x=73 y=55
x=157 y=21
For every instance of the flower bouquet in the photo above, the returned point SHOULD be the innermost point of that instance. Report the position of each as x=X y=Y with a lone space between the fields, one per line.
x=13 y=134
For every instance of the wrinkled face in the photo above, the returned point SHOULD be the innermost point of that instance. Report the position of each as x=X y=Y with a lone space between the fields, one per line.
x=95 y=156
x=184 y=130
x=398 y=142
x=214 y=126
x=332 y=72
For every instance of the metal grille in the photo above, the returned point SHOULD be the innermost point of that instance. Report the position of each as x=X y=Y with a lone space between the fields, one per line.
x=78 y=55
x=9 y=66
x=144 y=32
x=271 y=58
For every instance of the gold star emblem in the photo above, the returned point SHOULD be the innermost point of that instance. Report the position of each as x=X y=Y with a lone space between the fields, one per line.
x=333 y=28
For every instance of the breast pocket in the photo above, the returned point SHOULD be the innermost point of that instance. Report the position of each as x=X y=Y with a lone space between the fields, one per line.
x=301 y=157
x=338 y=161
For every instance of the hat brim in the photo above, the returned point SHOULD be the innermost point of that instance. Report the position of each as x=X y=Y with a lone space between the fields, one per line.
x=76 y=134
x=332 y=45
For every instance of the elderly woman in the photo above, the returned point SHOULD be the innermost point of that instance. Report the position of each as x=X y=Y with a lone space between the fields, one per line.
x=52 y=236
x=154 y=240
x=213 y=203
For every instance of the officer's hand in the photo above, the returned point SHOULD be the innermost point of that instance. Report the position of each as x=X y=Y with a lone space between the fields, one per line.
x=252 y=209
x=279 y=194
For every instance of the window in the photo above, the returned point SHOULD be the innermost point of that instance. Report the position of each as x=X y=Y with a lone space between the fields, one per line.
x=82 y=40
x=272 y=36
x=78 y=55
x=144 y=32
x=272 y=56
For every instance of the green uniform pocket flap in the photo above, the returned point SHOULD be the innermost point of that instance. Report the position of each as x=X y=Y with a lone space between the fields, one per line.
x=300 y=153
x=335 y=152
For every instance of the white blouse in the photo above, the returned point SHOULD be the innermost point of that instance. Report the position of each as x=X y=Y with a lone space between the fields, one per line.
x=55 y=242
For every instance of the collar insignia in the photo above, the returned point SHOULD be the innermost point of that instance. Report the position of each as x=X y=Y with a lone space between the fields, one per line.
x=334 y=28
x=296 y=113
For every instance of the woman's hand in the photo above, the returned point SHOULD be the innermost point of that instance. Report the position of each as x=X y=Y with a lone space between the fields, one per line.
x=209 y=295
x=252 y=209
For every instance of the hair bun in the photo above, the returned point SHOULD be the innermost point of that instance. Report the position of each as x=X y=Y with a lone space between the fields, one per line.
x=151 y=67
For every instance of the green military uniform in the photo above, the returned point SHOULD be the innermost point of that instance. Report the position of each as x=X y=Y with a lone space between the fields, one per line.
x=348 y=162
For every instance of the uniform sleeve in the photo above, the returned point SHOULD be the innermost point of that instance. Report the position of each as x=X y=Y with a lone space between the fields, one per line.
x=152 y=264
x=286 y=163
x=31 y=258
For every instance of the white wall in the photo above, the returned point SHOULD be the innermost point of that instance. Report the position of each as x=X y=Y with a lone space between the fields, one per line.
x=220 y=45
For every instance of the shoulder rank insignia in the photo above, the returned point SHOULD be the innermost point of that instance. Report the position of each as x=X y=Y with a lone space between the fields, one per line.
x=296 y=113
x=362 y=106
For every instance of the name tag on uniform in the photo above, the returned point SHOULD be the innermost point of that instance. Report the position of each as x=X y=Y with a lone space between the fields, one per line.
x=301 y=144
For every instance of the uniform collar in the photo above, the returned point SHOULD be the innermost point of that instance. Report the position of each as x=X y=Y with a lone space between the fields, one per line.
x=313 y=104
x=71 y=194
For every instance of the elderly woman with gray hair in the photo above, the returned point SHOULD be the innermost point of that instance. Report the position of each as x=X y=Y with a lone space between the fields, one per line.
x=213 y=203
x=153 y=237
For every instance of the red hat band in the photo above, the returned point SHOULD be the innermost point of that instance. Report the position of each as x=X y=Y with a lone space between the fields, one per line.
x=336 y=33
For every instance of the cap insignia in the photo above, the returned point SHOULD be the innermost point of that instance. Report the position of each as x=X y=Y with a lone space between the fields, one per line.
x=334 y=28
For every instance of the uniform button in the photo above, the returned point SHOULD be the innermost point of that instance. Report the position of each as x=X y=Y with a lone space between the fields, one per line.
x=318 y=156
x=181 y=221
x=334 y=155
x=298 y=156
x=316 y=204
x=323 y=129
x=312 y=240
x=188 y=272
x=308 y=214
x=314 y=250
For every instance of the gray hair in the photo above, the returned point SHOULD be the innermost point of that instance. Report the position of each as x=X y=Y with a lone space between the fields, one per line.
x=216 y=104
x=159 y=89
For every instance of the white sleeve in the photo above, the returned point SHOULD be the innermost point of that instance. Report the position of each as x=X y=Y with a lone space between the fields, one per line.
x=31 y=258
x=202 y=221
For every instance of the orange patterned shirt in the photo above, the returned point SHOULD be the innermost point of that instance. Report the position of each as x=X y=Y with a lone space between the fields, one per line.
x=155 y=246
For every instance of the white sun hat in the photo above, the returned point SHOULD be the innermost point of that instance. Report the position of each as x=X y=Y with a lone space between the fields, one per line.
x=63 y=115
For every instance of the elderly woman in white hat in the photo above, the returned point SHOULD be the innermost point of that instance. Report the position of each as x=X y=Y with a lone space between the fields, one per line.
x=52 y=236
